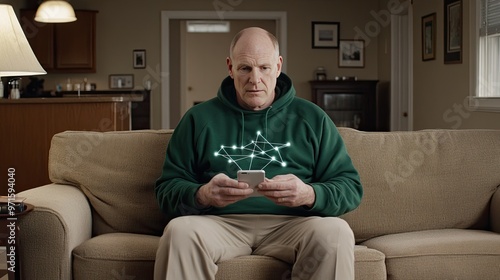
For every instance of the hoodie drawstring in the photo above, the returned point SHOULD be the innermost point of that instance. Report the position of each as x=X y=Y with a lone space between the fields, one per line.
x=242 y=128
x=267 y=113
x=243 y=125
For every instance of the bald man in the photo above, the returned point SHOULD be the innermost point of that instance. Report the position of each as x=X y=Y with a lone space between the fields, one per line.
x=256 y=122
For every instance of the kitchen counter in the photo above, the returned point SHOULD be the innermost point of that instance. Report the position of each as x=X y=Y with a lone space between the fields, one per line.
x=76 y=99
x=28 y=125
x=84 y=97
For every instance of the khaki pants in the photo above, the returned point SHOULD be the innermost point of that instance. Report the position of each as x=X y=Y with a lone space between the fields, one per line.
x=319 y=248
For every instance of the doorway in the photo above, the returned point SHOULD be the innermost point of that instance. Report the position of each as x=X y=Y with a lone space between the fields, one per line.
x=171 y=61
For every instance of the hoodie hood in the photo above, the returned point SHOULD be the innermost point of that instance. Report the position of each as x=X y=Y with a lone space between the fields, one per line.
x=284 y=95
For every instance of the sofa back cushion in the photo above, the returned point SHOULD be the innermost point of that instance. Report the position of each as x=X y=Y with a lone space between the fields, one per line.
x=431 y=179
x=412 y=180
x=117 y=172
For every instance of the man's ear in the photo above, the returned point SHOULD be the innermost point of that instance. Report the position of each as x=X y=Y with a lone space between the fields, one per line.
x=280 y=64
x=229 y=66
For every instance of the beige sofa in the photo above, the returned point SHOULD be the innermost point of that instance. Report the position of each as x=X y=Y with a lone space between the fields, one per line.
x=431 y=208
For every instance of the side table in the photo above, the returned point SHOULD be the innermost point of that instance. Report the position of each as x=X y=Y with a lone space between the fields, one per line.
x=9 y=237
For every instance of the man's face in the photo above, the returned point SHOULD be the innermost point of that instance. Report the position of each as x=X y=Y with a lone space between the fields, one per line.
x=254 y=67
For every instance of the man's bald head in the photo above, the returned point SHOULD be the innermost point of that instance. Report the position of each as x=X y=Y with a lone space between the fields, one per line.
x=250 y=34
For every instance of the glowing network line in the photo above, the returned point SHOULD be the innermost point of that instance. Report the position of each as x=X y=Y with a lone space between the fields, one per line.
x=258 y=150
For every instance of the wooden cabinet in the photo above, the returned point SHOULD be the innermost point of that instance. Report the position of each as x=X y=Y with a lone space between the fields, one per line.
x=29 y=124
x=141 y=112
x=63 y=47
x=140 y=109
x=353 y=104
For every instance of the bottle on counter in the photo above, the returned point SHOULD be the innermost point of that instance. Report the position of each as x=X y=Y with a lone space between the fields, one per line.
x=86 y=85
x=1 y=89
x=14 y=91
x=69 y=86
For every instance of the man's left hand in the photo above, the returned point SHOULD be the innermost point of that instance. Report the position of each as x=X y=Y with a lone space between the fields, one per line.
x=288 y=190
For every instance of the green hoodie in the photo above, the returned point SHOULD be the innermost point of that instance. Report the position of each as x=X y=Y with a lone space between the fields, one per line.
x=296 y=137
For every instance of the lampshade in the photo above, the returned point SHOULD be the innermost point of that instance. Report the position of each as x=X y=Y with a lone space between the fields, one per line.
x=16 y=56
x=55 y=12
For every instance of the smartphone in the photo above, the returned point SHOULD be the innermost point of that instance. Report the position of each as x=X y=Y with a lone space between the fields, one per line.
x=252 y=178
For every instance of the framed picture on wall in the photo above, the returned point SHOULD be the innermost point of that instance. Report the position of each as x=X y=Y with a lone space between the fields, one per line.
x=429 y=37
x=121 y=81
x=139 y=57
x=325 y=34
x=352 y=53
x=453 y=20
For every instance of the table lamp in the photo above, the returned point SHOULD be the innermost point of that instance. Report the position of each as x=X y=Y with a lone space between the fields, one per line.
x=16 y=56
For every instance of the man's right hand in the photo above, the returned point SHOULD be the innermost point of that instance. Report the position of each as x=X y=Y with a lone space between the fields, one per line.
x=222 y=191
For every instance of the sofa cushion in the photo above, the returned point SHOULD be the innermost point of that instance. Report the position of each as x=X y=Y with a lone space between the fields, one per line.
x=117 y=172
x=369 y=263
x=122 y=255
x=440 y=254
x=115 y=256
x=431 y=179
x=495 y=212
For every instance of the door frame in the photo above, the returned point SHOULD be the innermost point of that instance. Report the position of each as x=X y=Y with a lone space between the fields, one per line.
x=402 y=69
x=167 y=16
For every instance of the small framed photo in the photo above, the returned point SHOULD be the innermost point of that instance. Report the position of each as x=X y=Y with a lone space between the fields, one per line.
x=121 y=81
x=429 y=37
x=352 y=53
x=325 y=34
x=139 y=57
x=453 y=21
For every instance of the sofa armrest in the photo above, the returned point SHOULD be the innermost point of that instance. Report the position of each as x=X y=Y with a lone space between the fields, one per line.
x=495 y=211
x=60 y=221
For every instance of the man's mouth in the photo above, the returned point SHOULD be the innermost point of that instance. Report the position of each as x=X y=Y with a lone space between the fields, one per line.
x=254 y=91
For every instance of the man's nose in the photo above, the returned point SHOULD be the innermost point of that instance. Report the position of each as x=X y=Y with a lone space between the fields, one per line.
x=255 y=77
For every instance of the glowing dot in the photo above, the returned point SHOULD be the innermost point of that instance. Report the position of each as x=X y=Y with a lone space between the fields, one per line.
x=262 y=152
x=288 y=144
x=229 y=161
x=216 y=154
x=234 y=147
x=222 y=146
x=276 y=148
x=258 y=132
x=283 y=164
x=252 y=155
x=273 y=158
x=242 y=147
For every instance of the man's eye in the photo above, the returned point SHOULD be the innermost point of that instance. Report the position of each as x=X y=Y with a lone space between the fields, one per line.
x=245 y=69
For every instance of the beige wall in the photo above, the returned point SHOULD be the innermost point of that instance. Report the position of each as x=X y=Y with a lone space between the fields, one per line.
x=384 y=45
x=440 y=90
x=125 y=25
